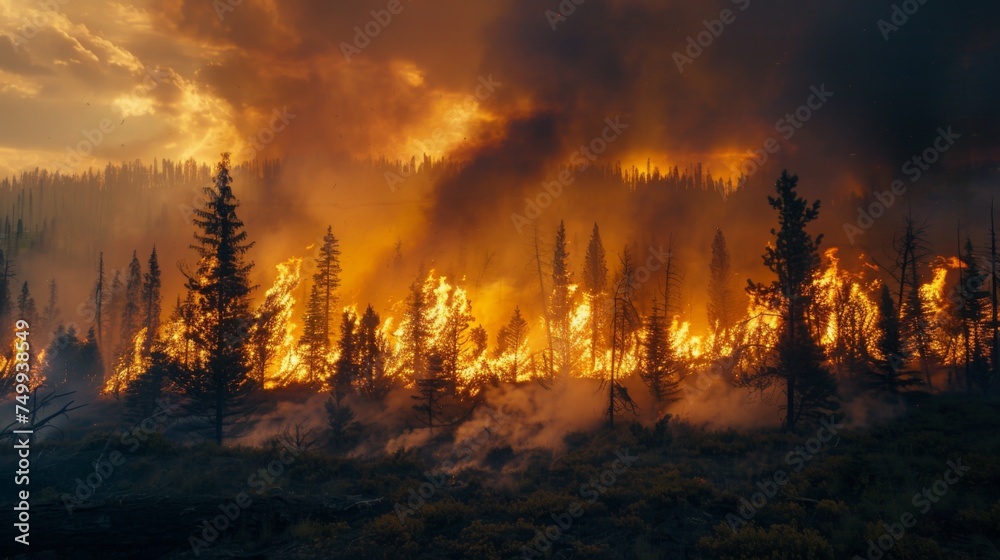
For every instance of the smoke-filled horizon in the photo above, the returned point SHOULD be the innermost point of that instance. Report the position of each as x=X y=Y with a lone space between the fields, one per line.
x=660 y=123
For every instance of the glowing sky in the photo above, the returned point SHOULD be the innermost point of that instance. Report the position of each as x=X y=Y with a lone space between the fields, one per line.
x=193 y=78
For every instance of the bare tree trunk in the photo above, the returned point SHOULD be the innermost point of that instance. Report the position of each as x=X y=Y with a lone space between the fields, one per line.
x=790 y=385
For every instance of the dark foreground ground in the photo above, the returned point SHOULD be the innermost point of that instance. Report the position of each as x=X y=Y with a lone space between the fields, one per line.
x=925 y=485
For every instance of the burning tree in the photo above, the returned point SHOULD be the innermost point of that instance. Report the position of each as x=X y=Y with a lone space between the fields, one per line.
x=218 y=381
x=909 y=249
x=143 y=394
x=658 y=365
x=347 y=367
x=130 y=356
x=416 y=330
x=844 y=317
x=794 y=258
x=270 y=336
x=131 y=307
x=561 y=307
x=972 y=315
x=343 y=428
x=322 y=298
x=595 y=283
x=512 y=352
x=887 y=373
x=625 y=322
x=454 y=338
x=151 y=304
x=373 y=352
x=721 y=299
x=72 y=361
x=433 y=390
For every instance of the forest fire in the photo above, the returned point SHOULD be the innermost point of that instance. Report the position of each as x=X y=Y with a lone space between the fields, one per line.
x=843 y=313
x=602 y=280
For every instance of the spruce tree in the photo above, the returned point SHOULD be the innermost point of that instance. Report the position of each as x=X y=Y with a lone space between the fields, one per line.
x=373 y=380
x=143 y=394
x=887 y=373
x=595 y=283
x=794 y=259
x=973 y=298
x=320 y=304
x=625 y=322
x=911 y=247
x=132 y=303
x=6 y=277
x=26 y=305
x=658 y=367
x=432 y=392
x=511 y=347
x=219 y=386
x=721 y=311
x=416 y=330
x=50 y=314
x=454 y=338
x=151 y=304
x=561 y=305
x=347 y=367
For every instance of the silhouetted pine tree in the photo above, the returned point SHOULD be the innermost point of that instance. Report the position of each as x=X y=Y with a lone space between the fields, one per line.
x=219 y=387
x=416 y=330
x=454 y=338
x=721 y=300
x=595 y=284
x=561 y=305
x=347 y=367
x=511 y=347
x=144 y=393
x=344 y=430
x=972 y=313
x=625 y=323
x=432 y=392
x=151 y=304
x=50 y=314
x=886 y=374
x=26 y=305
x=59 y=355
x=794 y=258
x=910 y=248
x=373 y=379
x=322 y=299
x=130 y=361
x=658 y=366
x=91 y=363
x=131 y=304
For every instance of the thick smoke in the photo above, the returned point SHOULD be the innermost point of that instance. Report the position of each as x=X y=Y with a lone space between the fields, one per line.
x=556 y=88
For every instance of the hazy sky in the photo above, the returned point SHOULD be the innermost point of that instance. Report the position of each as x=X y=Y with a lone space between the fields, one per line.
x=180 y=78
